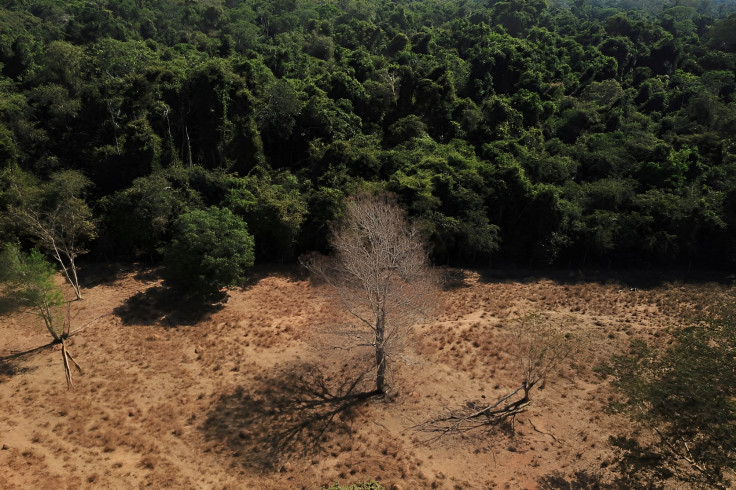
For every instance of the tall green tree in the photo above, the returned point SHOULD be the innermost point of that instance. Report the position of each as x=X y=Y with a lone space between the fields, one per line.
x=210 y=249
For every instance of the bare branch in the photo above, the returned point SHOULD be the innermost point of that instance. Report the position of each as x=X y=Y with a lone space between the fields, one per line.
x=60 y=225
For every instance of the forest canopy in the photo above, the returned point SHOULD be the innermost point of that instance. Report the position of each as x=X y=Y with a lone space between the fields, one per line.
x=564 y=132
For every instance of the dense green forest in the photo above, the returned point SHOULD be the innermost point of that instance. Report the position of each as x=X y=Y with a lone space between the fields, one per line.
x=573 y=133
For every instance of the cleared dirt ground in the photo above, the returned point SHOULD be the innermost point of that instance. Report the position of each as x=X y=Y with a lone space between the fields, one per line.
x=236 y=395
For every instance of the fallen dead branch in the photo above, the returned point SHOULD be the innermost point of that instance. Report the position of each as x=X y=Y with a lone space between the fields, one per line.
x=83 y=327
x=471 y=418
x=539 y=350
x=542 y=432
x=67 y=358
x=16 y=355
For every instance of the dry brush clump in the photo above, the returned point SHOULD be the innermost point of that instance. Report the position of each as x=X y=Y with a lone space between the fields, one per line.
x=540 y=350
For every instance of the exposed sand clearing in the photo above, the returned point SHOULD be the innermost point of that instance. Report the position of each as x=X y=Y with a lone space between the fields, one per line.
x=238 y=395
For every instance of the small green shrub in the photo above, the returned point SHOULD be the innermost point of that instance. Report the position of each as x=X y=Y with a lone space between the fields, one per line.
x=210 y=249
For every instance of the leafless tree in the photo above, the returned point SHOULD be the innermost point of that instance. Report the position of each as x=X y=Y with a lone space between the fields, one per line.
x=58 y=219
x=379 y=270
x=540 y=351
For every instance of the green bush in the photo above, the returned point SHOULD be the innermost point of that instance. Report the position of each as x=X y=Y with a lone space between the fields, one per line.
x=29 y=280
x=210 y=249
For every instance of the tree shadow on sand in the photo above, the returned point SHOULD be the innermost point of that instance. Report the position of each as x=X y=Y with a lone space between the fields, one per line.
x=103 y=273
x=290 y=413
x=8 y=368
x=168 y=307
x=584 y=480
x=9 y=305
x=581 y=480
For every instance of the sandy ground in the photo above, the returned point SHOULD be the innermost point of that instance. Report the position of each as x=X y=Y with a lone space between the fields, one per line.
x=245 y=394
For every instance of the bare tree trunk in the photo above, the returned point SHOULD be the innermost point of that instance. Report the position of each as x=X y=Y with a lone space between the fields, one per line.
x=380 y=356
x=114 y=118
x=77 y=289
x=381 y=373
x=67 y=358
x=189 y=147
x=380 y=273
x=527 y=388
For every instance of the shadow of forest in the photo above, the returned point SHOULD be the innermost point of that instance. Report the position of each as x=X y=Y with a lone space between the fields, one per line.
x=628 y=278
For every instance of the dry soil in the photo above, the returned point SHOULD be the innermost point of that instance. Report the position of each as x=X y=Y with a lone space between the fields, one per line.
x=246 y=393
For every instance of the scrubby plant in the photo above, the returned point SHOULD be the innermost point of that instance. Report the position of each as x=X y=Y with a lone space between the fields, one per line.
x=685 y=395
x=29 y=279
x=210 y=249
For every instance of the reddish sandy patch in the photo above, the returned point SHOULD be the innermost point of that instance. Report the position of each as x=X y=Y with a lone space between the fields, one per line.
x=234 y=395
